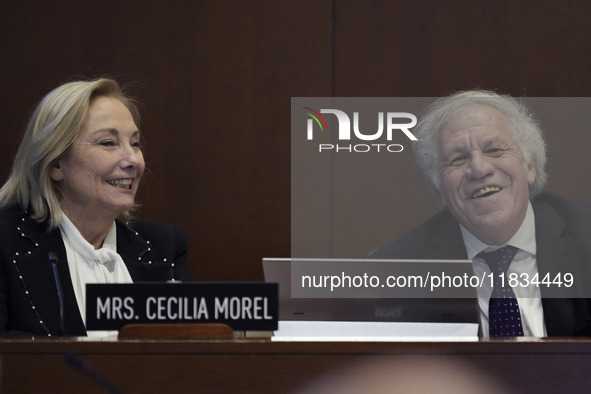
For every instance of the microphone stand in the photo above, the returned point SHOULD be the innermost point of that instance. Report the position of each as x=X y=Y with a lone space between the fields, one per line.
x=60 y=294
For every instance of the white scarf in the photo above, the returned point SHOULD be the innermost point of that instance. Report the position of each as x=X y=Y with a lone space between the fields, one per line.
x=89 y=265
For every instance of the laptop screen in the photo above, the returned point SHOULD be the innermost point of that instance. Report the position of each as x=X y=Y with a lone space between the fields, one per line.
x=364 y=298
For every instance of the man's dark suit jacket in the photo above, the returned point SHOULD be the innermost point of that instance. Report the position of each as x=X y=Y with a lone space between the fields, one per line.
x=28 y=296
x=563 y=239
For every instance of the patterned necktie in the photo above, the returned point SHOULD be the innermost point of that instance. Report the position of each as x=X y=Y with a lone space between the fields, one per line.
x=504 y=317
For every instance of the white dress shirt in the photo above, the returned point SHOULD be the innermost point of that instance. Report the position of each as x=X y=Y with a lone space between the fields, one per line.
x=528 y=297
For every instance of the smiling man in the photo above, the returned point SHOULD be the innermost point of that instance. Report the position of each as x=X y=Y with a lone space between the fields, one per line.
x=484 y=157
x=485 y=181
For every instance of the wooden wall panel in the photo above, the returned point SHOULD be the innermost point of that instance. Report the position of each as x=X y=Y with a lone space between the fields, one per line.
x=431 y=48
x=215 y=79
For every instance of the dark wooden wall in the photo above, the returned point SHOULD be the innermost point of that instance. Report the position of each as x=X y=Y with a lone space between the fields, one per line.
x=215 y=79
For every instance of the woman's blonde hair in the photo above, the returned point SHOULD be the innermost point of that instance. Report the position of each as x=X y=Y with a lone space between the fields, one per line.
x=53 y=127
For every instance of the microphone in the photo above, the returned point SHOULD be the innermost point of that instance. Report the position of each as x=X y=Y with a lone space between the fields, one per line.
x=60 y=294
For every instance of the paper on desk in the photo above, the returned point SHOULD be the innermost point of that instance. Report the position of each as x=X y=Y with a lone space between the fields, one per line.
x=374 y=331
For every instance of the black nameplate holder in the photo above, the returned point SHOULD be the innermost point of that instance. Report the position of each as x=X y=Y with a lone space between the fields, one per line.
x=242 y=306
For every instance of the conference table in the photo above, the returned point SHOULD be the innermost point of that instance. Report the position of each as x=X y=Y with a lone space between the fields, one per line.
x=265 y=366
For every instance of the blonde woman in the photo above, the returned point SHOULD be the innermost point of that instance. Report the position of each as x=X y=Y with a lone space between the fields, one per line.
x=68 y=199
